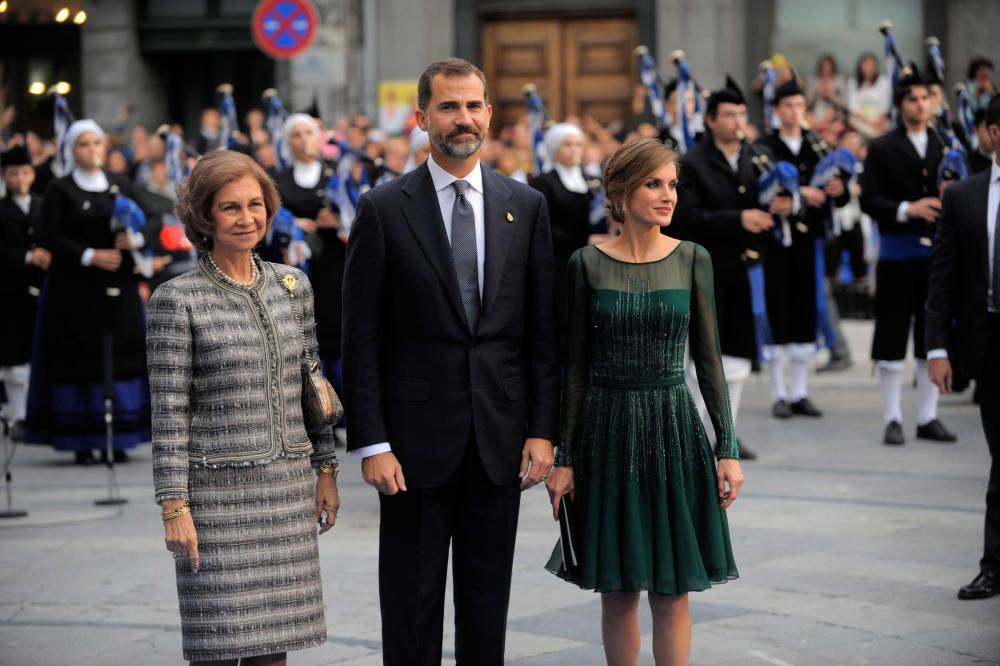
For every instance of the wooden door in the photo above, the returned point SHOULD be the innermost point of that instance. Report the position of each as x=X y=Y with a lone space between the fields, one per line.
x=580 y=66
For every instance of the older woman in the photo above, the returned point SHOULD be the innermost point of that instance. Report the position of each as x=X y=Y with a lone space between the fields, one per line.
x=634 y=457
x=231 y=456
x=569 y=195
x=302 y=186
x=89 y=306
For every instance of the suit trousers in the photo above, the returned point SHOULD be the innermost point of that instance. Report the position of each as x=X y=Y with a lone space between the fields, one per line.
x=478 y=519
x=989 y=409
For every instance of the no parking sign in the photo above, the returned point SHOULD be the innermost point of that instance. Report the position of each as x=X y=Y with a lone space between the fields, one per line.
x=284 y=28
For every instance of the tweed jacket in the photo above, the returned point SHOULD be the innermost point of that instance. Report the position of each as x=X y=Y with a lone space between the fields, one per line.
x=225 y=374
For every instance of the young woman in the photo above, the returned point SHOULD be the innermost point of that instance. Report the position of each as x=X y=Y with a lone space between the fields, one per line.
x=635 y=460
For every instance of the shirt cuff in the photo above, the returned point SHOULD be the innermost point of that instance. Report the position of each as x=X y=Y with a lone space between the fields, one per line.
x=27 y=258
x=87 y=256
x=371 y=450
x=937 y=353
x=902 y=210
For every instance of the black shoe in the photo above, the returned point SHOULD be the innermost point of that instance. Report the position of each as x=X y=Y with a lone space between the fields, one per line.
x=17 y=431
x=84 y=458
x=936 y=432
x=781 y=410
x=835 y=364
x=894 y=434
x=745 y=453
x=985 y=585
x=119 y=455
x=804 y=407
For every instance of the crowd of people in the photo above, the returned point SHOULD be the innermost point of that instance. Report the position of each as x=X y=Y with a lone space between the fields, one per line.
x=841 y=182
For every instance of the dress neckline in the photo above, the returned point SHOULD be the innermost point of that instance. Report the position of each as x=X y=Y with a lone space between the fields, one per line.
x=639 y=263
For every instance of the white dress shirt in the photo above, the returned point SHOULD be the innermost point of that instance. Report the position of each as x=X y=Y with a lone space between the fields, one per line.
x=919 y=141
x=992 y=203
x=446 y=201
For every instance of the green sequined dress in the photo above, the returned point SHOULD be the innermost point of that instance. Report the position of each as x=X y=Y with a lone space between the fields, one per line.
x=646 y=502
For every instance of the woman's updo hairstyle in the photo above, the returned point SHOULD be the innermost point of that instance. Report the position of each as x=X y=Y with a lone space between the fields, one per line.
x=630 y=165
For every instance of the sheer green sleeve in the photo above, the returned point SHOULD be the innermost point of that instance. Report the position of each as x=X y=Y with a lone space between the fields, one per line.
x=577 y=356
x=707 y=354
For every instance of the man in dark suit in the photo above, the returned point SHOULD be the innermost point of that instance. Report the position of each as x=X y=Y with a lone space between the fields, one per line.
x=450 y=373
x=963 y=302
x=899 y=191
x=717 y=208
x=22 y=266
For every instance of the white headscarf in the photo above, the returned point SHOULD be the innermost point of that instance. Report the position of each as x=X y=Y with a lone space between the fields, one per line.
x=73 y=135
x=286 y=131
x=418 y=139
x=556 y=134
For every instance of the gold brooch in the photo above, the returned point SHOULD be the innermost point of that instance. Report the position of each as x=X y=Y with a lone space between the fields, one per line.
x=510 y=217
x=291 y=282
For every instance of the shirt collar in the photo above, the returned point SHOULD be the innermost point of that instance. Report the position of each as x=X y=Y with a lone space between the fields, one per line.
x=443 y=179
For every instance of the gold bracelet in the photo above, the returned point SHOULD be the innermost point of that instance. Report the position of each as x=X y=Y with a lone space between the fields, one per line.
x=332 y=469
x=176 y=513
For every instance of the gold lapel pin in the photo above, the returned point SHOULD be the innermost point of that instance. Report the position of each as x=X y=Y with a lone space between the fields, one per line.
x=510 y=217
x=291 y=282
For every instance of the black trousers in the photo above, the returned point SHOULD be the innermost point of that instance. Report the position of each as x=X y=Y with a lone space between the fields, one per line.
x=478 y=519
x=900 y=294
x=989 y=409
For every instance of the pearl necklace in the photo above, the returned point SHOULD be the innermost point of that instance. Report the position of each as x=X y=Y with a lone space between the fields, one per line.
x=254 y=273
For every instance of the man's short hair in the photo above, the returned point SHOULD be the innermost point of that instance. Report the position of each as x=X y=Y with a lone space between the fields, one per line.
x=448 y=67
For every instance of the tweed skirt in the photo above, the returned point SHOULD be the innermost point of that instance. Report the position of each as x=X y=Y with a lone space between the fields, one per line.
x=258 y=590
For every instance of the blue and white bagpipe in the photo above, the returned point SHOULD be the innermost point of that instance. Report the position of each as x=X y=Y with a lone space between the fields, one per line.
x=651 y=79
x=276 y=115
x=229 y=124
x=538 y=118
x=598 y=215
x=773 y=180
x=285 y=240
x=128 y=217
x=343 y=192
x=685 y=81
x=953 y=165
x=836 y=163
x=61 y=121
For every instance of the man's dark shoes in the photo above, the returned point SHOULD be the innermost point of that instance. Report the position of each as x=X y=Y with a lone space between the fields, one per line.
x=836 y=363
x=893 y=434
x=745 y=453
x=984 y=586
x=84 y=458
x=936 y=432
x=781 y=410
x=804 y=407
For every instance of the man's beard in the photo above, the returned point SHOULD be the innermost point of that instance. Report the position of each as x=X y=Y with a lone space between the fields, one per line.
x=456 y=149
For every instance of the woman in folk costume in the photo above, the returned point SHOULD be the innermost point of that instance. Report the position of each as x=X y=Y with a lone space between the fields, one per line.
x=303 y=186
x=89 y=308
x=569 y=195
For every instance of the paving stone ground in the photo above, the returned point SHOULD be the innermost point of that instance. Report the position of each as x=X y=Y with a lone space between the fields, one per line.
x=850 y=552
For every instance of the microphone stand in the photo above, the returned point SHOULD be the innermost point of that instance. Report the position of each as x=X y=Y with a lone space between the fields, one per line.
x=8 y=458
x=114 y=492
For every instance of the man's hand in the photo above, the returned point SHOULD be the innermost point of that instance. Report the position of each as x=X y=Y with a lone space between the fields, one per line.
x=926 y=209
x=107 y=260
x=383 y=471
x=939 y=371
x=537 y=459
x=782 y=205
x=814 y=196
x=306 y=225
x=835 y=188
x=756 y=221
x=41 y=258
x=327 y=219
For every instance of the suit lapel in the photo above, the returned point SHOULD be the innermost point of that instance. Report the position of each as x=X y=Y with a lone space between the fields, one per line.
x=500 y=223
x=423 y=213
x=980 y=213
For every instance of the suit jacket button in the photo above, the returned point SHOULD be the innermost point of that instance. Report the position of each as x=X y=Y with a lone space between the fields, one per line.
x=741 y=189
x=923 y=172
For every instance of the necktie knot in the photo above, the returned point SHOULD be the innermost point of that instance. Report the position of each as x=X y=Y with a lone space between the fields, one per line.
x=461 y=187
